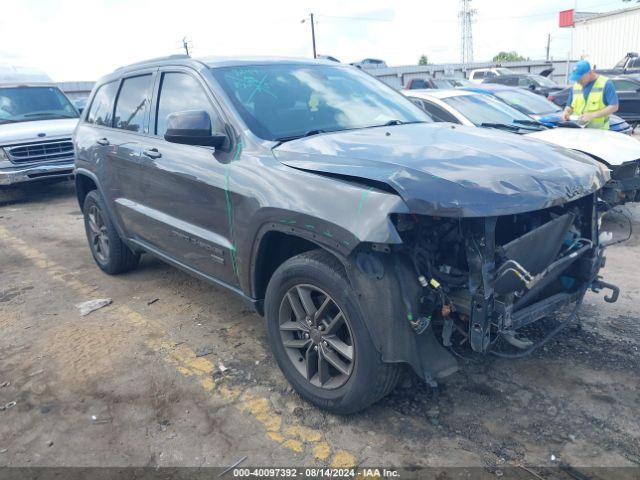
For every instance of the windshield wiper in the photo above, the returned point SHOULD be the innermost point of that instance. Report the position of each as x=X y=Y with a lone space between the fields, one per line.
x=506 y=126
x=308 y=133
x=533 y=123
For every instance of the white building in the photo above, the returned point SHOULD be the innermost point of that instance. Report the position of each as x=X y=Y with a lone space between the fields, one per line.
x=605 y=38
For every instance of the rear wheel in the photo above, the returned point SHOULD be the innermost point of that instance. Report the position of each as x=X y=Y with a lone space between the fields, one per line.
x=109 y=251
x=319 y=338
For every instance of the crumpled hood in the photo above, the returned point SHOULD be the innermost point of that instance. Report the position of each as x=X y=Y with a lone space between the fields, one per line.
x=612 y=147
x=452 y=170
x=11 y=133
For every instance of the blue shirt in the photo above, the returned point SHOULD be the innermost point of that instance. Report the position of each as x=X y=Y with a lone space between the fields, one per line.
x=609 y=96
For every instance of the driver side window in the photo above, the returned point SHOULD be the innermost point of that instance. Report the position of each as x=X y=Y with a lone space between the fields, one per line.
x=181 y=92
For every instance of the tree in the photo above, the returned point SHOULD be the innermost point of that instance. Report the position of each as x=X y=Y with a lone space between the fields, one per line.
x=511 y=56
x=424 y=60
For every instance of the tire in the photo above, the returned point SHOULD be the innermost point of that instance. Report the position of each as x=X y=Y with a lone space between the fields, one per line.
x=110 y=253
x=318 y=275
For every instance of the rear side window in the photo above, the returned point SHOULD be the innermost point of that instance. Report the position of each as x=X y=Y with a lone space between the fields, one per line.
x=525 y=82
x=102 y=105
x=132 y=103
x=438 y=113
x=181 y=92
x=418 y=83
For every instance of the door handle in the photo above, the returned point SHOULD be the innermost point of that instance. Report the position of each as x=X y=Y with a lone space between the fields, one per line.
x=102 y=141
x=152 y=153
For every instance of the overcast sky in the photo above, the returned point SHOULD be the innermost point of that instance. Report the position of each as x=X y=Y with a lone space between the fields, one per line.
x=84 y=39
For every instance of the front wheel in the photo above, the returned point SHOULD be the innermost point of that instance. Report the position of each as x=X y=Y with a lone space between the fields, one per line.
x=318 y=336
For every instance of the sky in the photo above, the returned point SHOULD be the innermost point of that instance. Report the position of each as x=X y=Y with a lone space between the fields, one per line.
x=76 y=40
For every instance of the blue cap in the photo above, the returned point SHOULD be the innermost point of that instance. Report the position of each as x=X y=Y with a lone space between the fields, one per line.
x=579 y=69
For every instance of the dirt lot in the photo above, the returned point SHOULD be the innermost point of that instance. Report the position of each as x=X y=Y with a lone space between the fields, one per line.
x=124 y=386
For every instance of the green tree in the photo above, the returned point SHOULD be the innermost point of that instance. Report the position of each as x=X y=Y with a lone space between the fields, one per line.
x=424 y=60
x=511 y=56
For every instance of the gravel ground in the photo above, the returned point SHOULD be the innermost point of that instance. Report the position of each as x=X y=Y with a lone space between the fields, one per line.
x=176 y=372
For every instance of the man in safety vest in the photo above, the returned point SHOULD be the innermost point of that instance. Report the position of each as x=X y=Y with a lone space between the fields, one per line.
x=593 y=97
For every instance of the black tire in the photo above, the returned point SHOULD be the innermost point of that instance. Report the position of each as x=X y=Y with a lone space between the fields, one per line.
x=119 y=258
x=370 y=379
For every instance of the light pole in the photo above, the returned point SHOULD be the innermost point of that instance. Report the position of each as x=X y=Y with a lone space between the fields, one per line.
x=313 y=33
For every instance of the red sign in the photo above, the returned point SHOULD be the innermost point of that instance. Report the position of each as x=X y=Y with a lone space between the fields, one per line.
x=566 y=18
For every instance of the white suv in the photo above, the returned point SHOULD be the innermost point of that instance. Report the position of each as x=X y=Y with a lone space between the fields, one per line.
x=479 y=74
x=36 y=123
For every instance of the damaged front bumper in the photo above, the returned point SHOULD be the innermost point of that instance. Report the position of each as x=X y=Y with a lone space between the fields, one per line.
x=474 y=281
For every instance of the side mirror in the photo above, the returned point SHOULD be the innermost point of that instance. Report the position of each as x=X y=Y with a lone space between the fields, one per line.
x=532 y=86
x=193 y=127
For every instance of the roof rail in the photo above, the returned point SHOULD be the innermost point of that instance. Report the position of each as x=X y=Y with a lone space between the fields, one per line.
x=178 y=56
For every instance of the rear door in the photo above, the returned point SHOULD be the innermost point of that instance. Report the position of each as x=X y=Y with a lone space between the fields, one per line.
x=186 y=209
x=124 y=147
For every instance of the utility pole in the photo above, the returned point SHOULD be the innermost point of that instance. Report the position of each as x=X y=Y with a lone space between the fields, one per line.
x=313 y=34
x=185 y=45
x=548 y=45
x=466 y=15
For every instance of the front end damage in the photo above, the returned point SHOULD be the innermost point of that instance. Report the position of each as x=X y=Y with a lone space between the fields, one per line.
x=624 y=185
x=478 y=280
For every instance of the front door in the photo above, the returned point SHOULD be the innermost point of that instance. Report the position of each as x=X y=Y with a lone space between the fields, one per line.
x=186 y=206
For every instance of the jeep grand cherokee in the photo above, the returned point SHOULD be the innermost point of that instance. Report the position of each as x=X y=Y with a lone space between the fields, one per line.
x=367 y=235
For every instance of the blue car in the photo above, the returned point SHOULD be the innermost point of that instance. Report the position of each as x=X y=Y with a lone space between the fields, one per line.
x=538 y=107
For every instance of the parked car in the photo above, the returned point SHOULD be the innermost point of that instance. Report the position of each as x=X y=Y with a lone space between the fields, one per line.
x=619 y=153
x=36 y=123
x=535 y=83
x=478 y=75
x=543 y=110
x=629 y=64
x=331 y=204
x=370 y=63
x=628 y=89
x=440 y=82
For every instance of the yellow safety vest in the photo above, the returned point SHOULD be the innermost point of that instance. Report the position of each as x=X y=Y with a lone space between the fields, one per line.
x=594 y=102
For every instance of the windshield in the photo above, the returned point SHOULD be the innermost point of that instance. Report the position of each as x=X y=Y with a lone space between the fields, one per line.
x=460 y=82
x=543 y=81
x=281 y=102
x=23 y=104
x=527 y=102
x=482 y=109
x=441 y=83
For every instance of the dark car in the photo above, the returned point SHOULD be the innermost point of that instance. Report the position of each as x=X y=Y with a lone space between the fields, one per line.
x=540 y=108
x=535 y=83
x=628 y=89
x=367 y=235
x=629 y=64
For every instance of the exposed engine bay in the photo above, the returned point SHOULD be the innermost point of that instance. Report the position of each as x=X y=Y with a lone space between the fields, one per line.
x=484 y=278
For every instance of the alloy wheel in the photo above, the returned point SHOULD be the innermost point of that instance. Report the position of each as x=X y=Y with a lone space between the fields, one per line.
x=98 y=235
x=317 y=336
